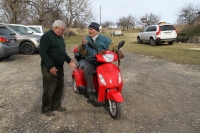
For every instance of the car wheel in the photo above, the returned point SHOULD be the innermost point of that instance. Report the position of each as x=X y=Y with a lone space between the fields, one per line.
x=152 y=42
x=27 y=48
x=171 y=43
x=139 y=41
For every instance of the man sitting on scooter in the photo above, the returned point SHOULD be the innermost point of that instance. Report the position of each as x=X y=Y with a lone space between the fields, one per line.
x=102 y=43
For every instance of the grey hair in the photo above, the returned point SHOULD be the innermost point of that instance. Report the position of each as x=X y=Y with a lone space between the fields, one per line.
x=58 y=23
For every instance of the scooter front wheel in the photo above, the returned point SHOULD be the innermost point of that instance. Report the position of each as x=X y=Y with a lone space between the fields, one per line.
x=76 y=90
x=114 y=109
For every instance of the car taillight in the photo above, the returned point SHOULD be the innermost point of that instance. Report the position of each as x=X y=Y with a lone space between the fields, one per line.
x=158 y=32
x=2 y=39
x=175 y=30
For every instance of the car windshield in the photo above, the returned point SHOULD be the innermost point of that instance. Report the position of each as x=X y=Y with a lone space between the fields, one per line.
x=16 y=29
x=34 y=29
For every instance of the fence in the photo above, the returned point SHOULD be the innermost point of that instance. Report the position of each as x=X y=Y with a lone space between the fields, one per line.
x=182 y=38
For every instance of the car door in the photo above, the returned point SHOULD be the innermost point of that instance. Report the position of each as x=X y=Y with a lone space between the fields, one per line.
x=148 y=33
x=151 y=32
x=143 y=35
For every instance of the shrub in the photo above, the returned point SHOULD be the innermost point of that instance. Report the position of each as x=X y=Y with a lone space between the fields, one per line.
x=71 y=33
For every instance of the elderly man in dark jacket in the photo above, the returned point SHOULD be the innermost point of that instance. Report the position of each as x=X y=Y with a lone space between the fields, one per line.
x=102 y=43
x=53 y=55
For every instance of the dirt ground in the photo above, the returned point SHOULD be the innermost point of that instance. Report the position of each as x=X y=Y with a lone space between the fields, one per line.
x=159 y=97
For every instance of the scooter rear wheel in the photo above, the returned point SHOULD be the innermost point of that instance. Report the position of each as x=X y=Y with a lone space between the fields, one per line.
x=76 y=90
x=114 y=109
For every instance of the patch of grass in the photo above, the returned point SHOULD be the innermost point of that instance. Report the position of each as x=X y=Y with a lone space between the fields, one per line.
x=179 y=53
x=73 y=41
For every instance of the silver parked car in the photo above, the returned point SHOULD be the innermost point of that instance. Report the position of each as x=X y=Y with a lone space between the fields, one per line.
x=25 y=29
x=8 y=43
x=28 y=43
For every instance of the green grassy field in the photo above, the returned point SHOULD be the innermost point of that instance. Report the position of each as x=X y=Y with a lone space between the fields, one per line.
x=179 y=52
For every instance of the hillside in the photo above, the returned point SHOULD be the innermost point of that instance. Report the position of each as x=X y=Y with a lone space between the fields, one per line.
x=191 y=31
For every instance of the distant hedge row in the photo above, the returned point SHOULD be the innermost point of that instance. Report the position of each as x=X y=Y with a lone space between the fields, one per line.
x=191 y=31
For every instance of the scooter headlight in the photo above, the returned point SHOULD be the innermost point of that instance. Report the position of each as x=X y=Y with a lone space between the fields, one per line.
x=102 y=79
x=108 y=57
x=119 y=78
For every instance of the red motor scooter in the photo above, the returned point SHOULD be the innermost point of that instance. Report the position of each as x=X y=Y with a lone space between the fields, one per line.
x=107 y=80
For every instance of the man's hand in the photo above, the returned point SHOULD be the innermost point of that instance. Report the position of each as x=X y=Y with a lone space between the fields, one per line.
x=102 y=52
x=72 y=64
x=120 y=54
x=53 y=71
x=84 y=41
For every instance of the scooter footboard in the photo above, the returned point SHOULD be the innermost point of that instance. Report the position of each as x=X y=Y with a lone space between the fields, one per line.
x=115 y=96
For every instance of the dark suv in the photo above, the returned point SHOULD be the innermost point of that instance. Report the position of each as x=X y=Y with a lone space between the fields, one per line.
x=155 y=34
x=8 y=43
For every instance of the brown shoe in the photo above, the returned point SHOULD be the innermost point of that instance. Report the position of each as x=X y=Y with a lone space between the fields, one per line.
x=49 y=114
x=60 y=109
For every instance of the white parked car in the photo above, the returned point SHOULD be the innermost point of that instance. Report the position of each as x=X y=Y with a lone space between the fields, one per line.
x=156 y=34
x=117 y=32
x=36 y=27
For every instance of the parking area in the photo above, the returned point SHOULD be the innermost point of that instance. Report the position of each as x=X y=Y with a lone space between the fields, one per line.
x=159 y=96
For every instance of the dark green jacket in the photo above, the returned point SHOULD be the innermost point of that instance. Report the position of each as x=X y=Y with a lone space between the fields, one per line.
x=52 y=50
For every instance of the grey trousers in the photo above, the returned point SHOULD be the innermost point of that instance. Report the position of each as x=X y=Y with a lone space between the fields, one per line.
x=52 y=89
x=89 y=70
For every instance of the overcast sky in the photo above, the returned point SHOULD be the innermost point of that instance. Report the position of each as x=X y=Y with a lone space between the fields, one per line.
x=112 y=10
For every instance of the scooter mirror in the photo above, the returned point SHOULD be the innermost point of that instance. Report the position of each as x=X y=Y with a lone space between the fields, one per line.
x=121 y=44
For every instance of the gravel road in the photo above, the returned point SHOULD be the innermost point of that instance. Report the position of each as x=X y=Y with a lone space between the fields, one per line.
x=160 y=97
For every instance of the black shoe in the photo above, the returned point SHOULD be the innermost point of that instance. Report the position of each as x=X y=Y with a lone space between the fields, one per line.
x=92 y=96
x=60 y=109
x=49 y=114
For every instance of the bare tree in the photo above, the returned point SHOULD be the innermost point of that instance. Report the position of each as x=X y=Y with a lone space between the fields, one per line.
x=151 y=18
x=13 y=11
x=107 y=24
x=187 y=14
x=127 y=22
x=44 y=12
x=122 y=22
x=131 y=22
x=82 y=25
x=112 y=24
x=77 y=9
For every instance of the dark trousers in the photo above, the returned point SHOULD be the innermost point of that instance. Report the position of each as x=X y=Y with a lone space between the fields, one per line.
x=52 y=89
x=89 y=70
